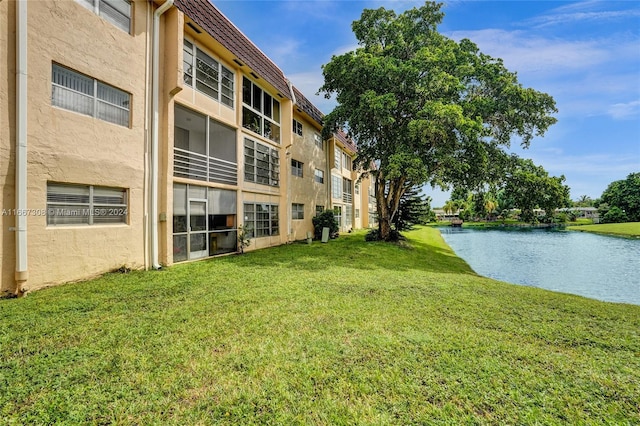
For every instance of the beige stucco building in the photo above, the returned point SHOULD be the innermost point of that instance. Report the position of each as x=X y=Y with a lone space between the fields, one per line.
x=142 y=133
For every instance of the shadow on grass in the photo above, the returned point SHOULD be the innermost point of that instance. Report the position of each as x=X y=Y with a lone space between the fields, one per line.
x=352 y=252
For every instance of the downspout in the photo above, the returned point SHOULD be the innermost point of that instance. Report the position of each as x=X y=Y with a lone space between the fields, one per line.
x=288 y=171
x=155 y=128
x=21 y=272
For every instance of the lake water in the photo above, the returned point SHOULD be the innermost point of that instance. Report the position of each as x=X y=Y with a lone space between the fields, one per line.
x=600 y=267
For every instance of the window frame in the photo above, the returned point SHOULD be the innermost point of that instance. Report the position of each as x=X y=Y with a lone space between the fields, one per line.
x=256 y=168
x=297 y=211
x=297 y=168
x=95 y=100
x=259 y=104
x=297 y=127
x=96 y=7
x=269 y=216
x=224 y=93
x=318 y=178
x=88 y=206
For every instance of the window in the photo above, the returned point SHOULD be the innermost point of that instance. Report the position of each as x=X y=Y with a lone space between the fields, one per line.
x=260 y=111
x=76 y=92
x=203 y=149
x=319 y=210
x=261 y=163
x=318 y=141
x=296 y=168
x=347 y=194
x=297 y=127
x=212 y=78
x=357 y=188
x=337 y=157
x=319 y=175
x=336 y=186
x=337 y=213
x=357 y=213
x=204 y=221
x=261 y=219
x=69 y=204
x=118 y=12
x=346 y=161
x=297 y=211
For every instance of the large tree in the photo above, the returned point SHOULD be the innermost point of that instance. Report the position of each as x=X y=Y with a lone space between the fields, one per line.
x=625 y=194
x=424 y=108
x=531 y=187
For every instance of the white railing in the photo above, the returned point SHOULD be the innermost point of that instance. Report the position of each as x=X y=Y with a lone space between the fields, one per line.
x=192 y=165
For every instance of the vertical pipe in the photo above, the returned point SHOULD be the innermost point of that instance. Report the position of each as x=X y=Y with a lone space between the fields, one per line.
x=21 y=272
x=155 y=130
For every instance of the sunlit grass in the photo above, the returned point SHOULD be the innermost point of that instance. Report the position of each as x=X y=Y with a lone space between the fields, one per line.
x=341 y=333
x=629 y=229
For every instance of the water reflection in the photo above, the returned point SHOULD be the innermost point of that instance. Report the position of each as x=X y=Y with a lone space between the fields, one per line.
x=600 y=267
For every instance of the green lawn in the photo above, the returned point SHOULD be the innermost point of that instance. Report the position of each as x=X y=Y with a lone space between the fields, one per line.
x=332 y=334
x=629 y=229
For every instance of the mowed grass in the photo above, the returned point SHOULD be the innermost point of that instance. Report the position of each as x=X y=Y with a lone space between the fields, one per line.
x=341 y=333
x=628 y=229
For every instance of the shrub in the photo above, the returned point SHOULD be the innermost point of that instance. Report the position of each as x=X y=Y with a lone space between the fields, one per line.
x=326 y=219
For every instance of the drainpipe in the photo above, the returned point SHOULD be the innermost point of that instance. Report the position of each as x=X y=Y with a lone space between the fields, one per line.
x=288 y=171
x=154 y=131
x=21 y=272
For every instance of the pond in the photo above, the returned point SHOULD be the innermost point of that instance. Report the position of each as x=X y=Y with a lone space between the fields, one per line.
x=600 y=267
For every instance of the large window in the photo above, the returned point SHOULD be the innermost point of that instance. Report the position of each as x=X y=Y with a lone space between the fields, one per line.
x=297 y=211
x=260 y=111
x=261 y=163
x=118 y=12
x=337 y=158
x=346 y=161
x=261 y=219
x=336 y=186
x=319 y=175
x=69 y=204
x=296 y=168
x=204 y=149
x=76 y=92
x=212 y=78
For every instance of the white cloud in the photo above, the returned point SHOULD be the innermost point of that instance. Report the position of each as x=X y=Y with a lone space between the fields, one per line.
x=625 y=111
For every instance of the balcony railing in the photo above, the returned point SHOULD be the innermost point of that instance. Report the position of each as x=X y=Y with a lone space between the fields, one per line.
x=196 y=166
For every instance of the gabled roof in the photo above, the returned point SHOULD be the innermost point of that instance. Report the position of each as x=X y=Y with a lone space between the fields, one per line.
x=210 y=19
x=346 y=140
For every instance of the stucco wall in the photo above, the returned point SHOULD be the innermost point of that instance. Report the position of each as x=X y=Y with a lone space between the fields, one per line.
x=64 y=146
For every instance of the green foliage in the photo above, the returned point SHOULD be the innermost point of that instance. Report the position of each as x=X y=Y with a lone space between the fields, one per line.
x=615 y=215
x=531 y=187
x=326 y=219
x=243 y=238
x=625 y=195
x=425 y=108
x=414 y=209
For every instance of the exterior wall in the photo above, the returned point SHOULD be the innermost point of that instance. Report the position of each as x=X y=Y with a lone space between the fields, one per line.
x=68 y=147
x=343 y=172
x=305 y=190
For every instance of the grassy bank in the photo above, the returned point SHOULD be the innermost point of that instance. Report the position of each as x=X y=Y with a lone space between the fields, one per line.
x=629 y=229
x=341 y=333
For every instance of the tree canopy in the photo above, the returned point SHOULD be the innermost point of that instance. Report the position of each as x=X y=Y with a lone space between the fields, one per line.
x=423 y=108
x=625 y=195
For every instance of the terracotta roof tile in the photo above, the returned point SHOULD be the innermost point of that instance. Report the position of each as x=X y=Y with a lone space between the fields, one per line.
x=210 y=19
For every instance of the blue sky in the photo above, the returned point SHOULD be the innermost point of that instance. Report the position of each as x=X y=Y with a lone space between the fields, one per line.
x=585 y=54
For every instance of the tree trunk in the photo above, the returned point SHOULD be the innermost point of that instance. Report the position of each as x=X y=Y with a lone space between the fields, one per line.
x=388 y=194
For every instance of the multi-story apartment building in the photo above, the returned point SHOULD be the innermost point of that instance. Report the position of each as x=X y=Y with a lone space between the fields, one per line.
x=142 y=133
